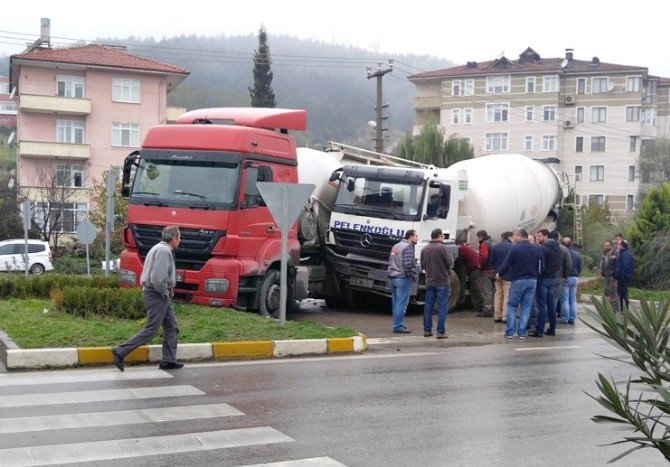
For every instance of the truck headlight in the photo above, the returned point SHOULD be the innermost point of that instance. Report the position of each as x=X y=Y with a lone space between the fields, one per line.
x=127 y=277
x=216 y=285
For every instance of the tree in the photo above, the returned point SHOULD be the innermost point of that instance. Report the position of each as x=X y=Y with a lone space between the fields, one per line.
x=654 y=165
x=99 y=217
x=653 y=261
x=652 y=217
x=429 y=147
x=458 y=149
x=11 y=225
x=262 y=94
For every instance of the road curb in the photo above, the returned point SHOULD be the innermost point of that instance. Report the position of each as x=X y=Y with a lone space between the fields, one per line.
x=15 y=358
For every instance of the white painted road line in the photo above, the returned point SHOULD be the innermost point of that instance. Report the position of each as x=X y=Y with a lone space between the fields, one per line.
x=556 y=347
x=105 y=395
x=79 y=376
x=140 y=447
x=123 y=417
x=313 y=462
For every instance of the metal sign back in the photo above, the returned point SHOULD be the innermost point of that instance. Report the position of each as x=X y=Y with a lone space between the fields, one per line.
x=296 y=195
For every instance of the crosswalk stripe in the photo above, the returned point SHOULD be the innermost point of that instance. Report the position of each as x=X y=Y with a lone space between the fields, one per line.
x=79 y=376
x=123 y=417
x=54 y=398
x=140 y=447
x=312 y=462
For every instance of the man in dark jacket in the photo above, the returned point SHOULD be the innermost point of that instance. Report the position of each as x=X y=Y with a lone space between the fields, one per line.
x=437 y=263
x=623 y=272
x=546 y=286
x=501 y=284
x=569 y=292
x=482 y=278
x=523 y=266
x=564 y=271
x=607 y=265
x=402 y=273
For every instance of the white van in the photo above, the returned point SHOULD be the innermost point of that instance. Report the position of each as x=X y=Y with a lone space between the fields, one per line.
x=12 y=251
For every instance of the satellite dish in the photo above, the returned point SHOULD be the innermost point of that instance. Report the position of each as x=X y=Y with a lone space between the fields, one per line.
x=11 y=137
x=564 y=63
x=13 y=93
x=610 y=86
x=372 y=124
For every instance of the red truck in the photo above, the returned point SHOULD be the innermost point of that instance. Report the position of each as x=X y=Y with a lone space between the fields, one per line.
x=201 y=174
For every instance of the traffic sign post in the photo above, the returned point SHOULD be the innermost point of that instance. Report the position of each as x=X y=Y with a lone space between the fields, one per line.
x=27 y=213
x=86 y=233
x=285 y=201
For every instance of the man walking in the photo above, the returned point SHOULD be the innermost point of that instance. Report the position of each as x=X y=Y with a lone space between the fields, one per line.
x=157 y=280
x=546 y=286
x=437 y=262
x=501 y=284
x=524 y=265
x=623 y=272
x=607 y=264
x=569 y=292
x=402 y=273
x=483 y=277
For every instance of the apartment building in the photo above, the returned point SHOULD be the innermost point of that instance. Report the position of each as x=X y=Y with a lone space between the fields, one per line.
x=590 y=117
x=7 y=105
x=81 y=111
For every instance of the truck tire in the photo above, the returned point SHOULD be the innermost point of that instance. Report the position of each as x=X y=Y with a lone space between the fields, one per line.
x=455 y=295
x=269 y=299
x=348 y=300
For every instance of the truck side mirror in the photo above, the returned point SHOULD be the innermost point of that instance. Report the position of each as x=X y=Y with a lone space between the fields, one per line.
x=131 y=160
x=351 y=184
x=335 y=175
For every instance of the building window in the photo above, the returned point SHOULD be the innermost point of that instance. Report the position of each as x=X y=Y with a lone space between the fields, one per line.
x=455 y=116
x=70 y=131
x=548 y=142
x=4 y=88
x=70 y=86
x=469 y=87
x=580 y=114
x=456 y=87
x=64 y=217
x=528 y=113
x=11 y=106
x=597 y=143
x=497 y=84
x=496 y=141
x=633 y=83
x=70 y=176
x=126 y=134
x=633 y=113
x=126 y=90
x=530 y=84
x=631 y=173
x=632 y=143
x=596 y=199
x=550 y=84
x=578 y=173
x=598 y=85
x=598 y=114
x=549 y=113
x=467 y=116
x=497 y=112
x=630 y=202
x=648 y=117
x=579 y=144
x=581 y=85
x=597 y=173
x=528 y=143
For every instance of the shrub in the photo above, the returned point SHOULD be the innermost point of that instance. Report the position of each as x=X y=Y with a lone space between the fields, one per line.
x=110 y=302
x=20 y=286
x=72 y=265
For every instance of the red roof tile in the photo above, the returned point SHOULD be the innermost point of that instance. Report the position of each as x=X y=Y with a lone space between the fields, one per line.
x=99 y=55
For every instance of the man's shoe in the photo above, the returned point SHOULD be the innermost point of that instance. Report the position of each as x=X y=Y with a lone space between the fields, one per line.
x=509 y=336
x=170 y=366
x=498 y=320
x=550 y=333
x=535 y=334
x=118 y=360
x=484 y=315
x=427 y=334
x=523 y=337
x=401 y=331
x=571 y=322
x=441 y=335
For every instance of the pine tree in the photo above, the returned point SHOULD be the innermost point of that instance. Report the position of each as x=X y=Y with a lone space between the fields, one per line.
x=262 y=94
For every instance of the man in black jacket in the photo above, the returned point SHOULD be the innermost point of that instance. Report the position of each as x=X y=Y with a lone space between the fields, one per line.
x=546 y=286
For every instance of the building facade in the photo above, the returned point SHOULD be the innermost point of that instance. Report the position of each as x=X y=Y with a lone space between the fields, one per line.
x=81 y=111
x=7 y=105
x=590 y=117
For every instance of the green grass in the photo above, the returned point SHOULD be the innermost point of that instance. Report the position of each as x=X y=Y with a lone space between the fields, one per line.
x=30 y=326
x=595 y=287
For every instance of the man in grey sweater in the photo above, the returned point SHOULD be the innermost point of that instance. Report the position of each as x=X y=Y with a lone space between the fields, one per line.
x=157 y=280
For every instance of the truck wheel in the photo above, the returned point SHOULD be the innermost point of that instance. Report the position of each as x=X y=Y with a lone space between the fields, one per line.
x=269 y=302
x=455 y=295
x=347 y=300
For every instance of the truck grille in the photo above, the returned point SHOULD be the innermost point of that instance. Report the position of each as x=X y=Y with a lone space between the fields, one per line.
x=366 y=244
x=194 y=250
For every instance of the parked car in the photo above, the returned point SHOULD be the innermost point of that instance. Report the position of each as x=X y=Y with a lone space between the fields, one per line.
x=12 y=252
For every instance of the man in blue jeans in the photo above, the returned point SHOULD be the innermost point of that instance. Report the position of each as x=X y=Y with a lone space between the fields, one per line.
x=437 y=263
x=569 y=292
x=546 y=285
x=402 y=273
x=523 y=266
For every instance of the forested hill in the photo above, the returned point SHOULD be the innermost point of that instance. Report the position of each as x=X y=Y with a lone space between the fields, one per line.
x=329 y=81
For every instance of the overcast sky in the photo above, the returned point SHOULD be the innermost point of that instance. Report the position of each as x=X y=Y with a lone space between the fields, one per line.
x=617 y=32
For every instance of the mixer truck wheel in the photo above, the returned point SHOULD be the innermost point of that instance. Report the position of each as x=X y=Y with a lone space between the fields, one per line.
x=455 y=284
x=269 y=300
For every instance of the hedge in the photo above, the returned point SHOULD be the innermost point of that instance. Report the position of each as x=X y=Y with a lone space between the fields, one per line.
x=105 y=301
x=21 y=286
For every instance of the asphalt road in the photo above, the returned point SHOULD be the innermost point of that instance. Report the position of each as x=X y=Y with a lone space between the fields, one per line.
x=409 y=401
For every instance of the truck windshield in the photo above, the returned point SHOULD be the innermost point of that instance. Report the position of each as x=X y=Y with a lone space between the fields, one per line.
x=186 y=179
x=383 y=198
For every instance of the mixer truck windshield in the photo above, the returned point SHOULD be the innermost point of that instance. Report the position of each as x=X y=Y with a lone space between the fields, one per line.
x=196 y=180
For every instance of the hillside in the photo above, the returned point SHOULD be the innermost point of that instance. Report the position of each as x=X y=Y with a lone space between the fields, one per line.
x=329 y=81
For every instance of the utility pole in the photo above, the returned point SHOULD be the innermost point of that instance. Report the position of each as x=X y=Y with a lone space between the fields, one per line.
x=379 y=119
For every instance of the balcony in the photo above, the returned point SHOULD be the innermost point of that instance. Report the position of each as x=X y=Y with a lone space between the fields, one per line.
x=54 y=105
x=426 y=103
x=172 y=113
x=56 y=150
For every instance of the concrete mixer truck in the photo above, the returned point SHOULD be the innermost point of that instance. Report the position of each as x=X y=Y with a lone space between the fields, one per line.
x=201 y=174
